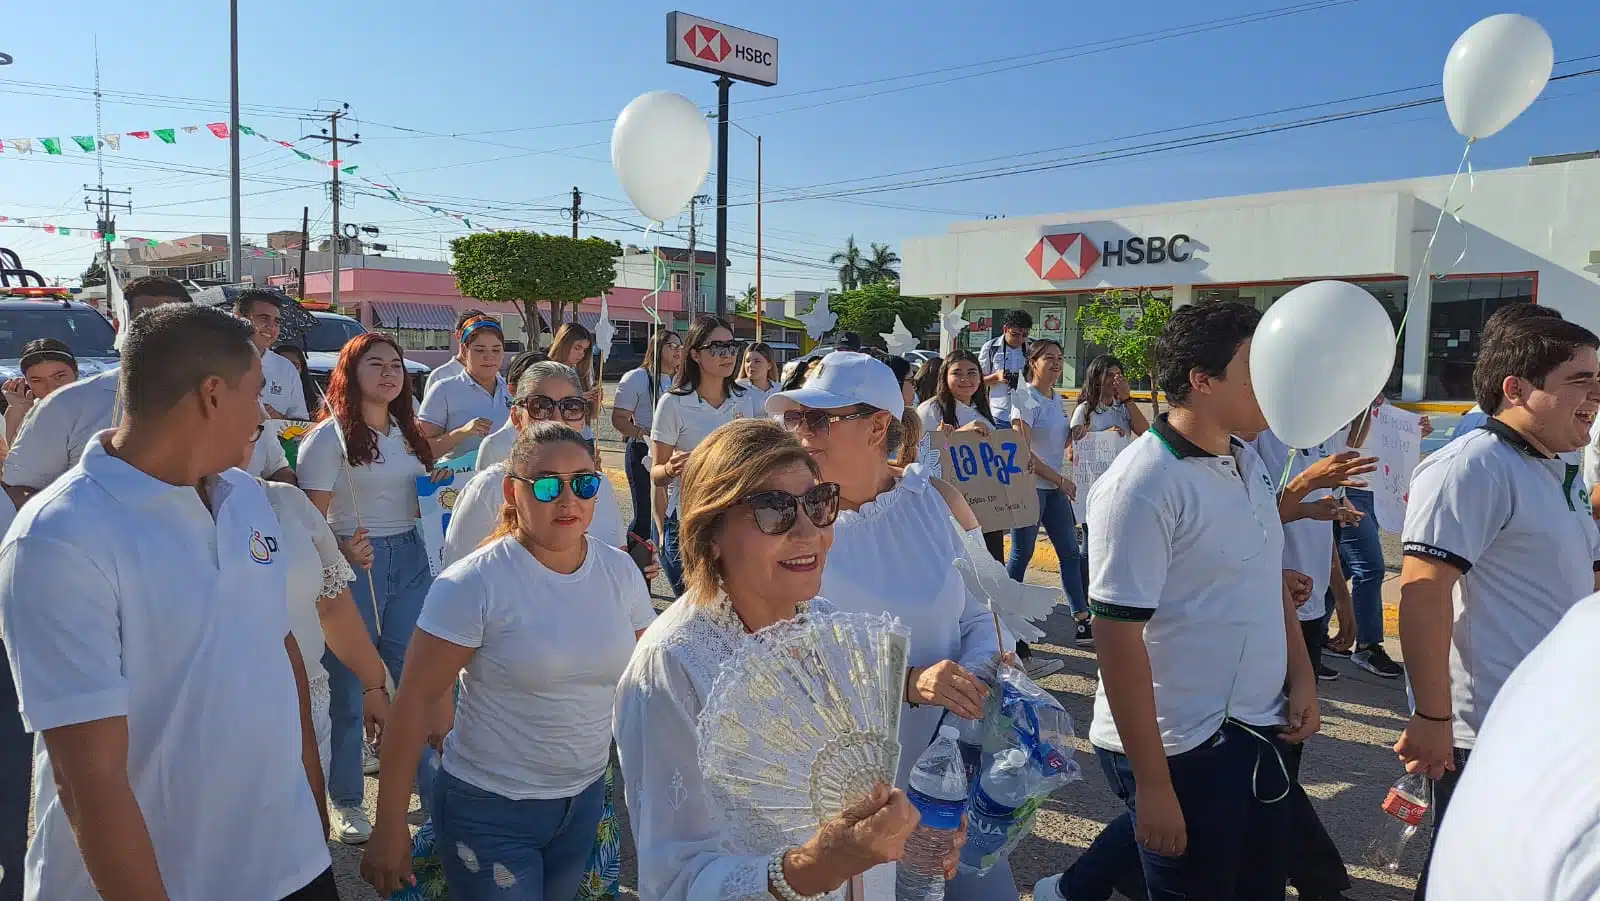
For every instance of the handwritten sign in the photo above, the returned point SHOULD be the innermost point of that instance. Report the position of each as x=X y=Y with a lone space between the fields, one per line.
x=991 y=473
x=1091 y=457
x=1396 y=440
x=435 y=500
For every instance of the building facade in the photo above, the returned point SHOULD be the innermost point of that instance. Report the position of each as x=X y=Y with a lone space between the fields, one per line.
x=1522 y=235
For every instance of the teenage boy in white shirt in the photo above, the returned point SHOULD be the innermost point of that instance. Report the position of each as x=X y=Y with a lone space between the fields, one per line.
x=142 y=599
x=1001 y=360
x=1196 y=635
x=282 y=393
x=1499 y=540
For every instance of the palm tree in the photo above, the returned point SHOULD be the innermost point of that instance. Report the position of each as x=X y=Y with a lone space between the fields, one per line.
x=850 y=265
x=746 y=302
x=880 y=266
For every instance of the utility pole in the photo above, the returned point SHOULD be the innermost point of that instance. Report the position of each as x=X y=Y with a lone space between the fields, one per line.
x=577 y=209
x=723 y=84
x=334 y=141
x=305 y=238
x=105 y=223
x=235 y=228
x=694 y=262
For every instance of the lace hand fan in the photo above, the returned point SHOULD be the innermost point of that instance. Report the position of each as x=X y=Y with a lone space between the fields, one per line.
x=802 y=722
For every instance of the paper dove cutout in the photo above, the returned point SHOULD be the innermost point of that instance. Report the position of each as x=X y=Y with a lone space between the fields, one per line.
x=1018 y=604
x=899 y=341
x=1024 y=403
x=820 y=320
x=951 y=325
x=604 y=331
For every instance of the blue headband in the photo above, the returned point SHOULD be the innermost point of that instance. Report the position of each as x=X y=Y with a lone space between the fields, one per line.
x=466 y=333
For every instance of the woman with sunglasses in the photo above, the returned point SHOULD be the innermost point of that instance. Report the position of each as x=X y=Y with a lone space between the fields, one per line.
x=756 y=527
x=705 y=397
x=538 y=625
x=359 y=467
x=894 y=552
x=458 y=412
x=632 y=410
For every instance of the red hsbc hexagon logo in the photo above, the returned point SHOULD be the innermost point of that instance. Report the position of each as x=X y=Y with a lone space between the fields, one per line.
x=707 y=43
x=1061 y=258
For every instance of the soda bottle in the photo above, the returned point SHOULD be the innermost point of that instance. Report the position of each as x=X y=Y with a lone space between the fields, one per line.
x=938 y=789
x=1405 y=807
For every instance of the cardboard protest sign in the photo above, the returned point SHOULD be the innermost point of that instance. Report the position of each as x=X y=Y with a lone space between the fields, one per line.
x=1396 y=440
x=435 y=500
x=991 y=474
x=1091 y=457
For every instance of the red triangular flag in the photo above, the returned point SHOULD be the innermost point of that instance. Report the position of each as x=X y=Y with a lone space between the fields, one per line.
x=220 y=129
x=50 y=228
x=286 y=144
x=141 y=135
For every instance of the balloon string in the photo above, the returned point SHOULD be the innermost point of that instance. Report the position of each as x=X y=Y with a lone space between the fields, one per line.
x=1427 y=254
x=652 y=301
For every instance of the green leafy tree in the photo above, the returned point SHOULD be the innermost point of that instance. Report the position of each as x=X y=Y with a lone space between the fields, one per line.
x=94 y=275
x=851 y=265
x=880 y=265
x=525 y=268
x=869 y=311
x=1128 y=324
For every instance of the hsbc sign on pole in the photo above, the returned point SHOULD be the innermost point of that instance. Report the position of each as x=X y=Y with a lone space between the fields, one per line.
x=709 y=46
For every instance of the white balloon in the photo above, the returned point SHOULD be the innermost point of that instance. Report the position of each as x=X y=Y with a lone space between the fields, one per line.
x=1319 y=357
x=1495 y=70
x=661 y=151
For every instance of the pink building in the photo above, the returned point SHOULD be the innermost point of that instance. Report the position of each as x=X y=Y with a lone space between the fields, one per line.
x=420 y=308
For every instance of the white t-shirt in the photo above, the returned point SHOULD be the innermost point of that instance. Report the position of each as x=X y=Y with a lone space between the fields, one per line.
x=534 y=715
x=996 y=356
x=933 y=417
x=682 y=421
x=1307 y=543
x=445 y=370
x=386 y=489
x=1048 y=420
x=1190 y=544
x=1517 y=525
x=1525 y=819
x=8 y=513
x=477 y=512
x=1591 y=457
x=633 y=395
x=497 y=447
x=283 y=390
x=317 y=568
x=1103 y=418
x=123 y=596
x=58 y=428
x=757 y=397
x=455 y=401
x=267 y=457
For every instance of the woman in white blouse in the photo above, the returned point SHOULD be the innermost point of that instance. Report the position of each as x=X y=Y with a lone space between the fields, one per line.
x=359 y=466
x=705 y=397
x=458 y=412
x=538 y=625
x=760 y=374
x=756 y=535
x=895 y=547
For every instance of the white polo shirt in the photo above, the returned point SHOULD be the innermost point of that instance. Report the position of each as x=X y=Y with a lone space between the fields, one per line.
x=283 y=390
x=477 y=512
x=385 y=489
x=453 y=402
x=123 y=596
x=1190 y=544
x=58 y=428
x=1525 y=819
x=1307 y=543
x=932 y=415
x=682 y=421
x=445 y=370
x=1517 y=525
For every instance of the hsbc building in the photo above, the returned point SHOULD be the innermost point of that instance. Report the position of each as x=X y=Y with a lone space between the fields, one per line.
x=1525 y=235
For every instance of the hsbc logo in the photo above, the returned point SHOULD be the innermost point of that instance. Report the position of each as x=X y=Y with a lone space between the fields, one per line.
x=1070 y=256
x=707 y=43
x=696 y=43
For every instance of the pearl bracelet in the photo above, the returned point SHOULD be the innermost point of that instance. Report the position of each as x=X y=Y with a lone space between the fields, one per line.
x=780 y=884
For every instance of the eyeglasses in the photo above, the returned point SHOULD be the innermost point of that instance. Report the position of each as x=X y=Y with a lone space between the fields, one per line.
x=572 y=409
x=584 y=485
x=720 y=348
x=776 y=512
x=817 y=421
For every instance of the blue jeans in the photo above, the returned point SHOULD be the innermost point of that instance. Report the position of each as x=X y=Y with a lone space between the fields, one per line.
x=400 y=575
x=671 y=563
x=492 y=847
x=1238 y=842
x=1055 y=515
x=1361 y=556
x=640 y=489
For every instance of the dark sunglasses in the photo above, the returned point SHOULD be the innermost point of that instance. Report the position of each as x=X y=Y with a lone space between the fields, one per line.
x=776 y=512
x=541 y=407
x=584 y=485
x=817 y=421
x=720 y=348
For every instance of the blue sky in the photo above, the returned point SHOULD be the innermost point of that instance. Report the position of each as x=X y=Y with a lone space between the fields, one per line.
x=532 y=89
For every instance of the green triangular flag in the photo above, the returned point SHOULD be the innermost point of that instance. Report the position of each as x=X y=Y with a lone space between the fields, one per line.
x=434 y=209
x=167 y=135
x=350 y=170
x=246 y=130
x=151 y=242
x=392 y=193
x=84 y=141
x=52 y=146
x=110 y=237
x=467 y=221
x=64 y=231
x=302 y=154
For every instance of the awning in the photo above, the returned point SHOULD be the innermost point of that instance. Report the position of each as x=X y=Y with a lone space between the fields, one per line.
x=396 y=314
x=585 y=318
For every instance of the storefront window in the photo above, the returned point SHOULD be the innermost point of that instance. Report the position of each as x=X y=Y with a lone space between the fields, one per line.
x=1460 y=307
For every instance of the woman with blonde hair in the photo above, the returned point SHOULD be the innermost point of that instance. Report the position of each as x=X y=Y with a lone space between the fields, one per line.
x=755 y=524
x=537 y=626
x=758 y=374
x=574 y=345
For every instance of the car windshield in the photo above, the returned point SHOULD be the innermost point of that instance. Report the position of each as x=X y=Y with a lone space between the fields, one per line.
x=331 y=334
x=85 y=331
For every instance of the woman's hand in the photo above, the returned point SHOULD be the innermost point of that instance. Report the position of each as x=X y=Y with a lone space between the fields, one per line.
x=976 y=425
x=357 y=549
x=1069 y=488
x=593 y=397
x=1425 y=425
x=17 y=393
x=479 y=427
x=375 y=711
x=869 y=833
x=953 y=860
x=949 y=685
x=442 y=474
x=444 y=719
x=386 y=863
x=1121 y=432
x=1336 y=471
x=676 y=463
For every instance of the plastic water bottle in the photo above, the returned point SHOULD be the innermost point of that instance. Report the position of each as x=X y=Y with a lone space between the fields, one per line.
x=1004 y=786
x=1404 y=809
x=970 y=742
x=938 y=790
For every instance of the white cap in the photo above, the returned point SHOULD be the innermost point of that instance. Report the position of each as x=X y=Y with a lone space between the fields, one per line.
x=844 y=379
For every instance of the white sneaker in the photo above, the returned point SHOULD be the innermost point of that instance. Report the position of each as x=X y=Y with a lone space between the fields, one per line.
x=350 y=824
x=1048 y=889
x=369 y=760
